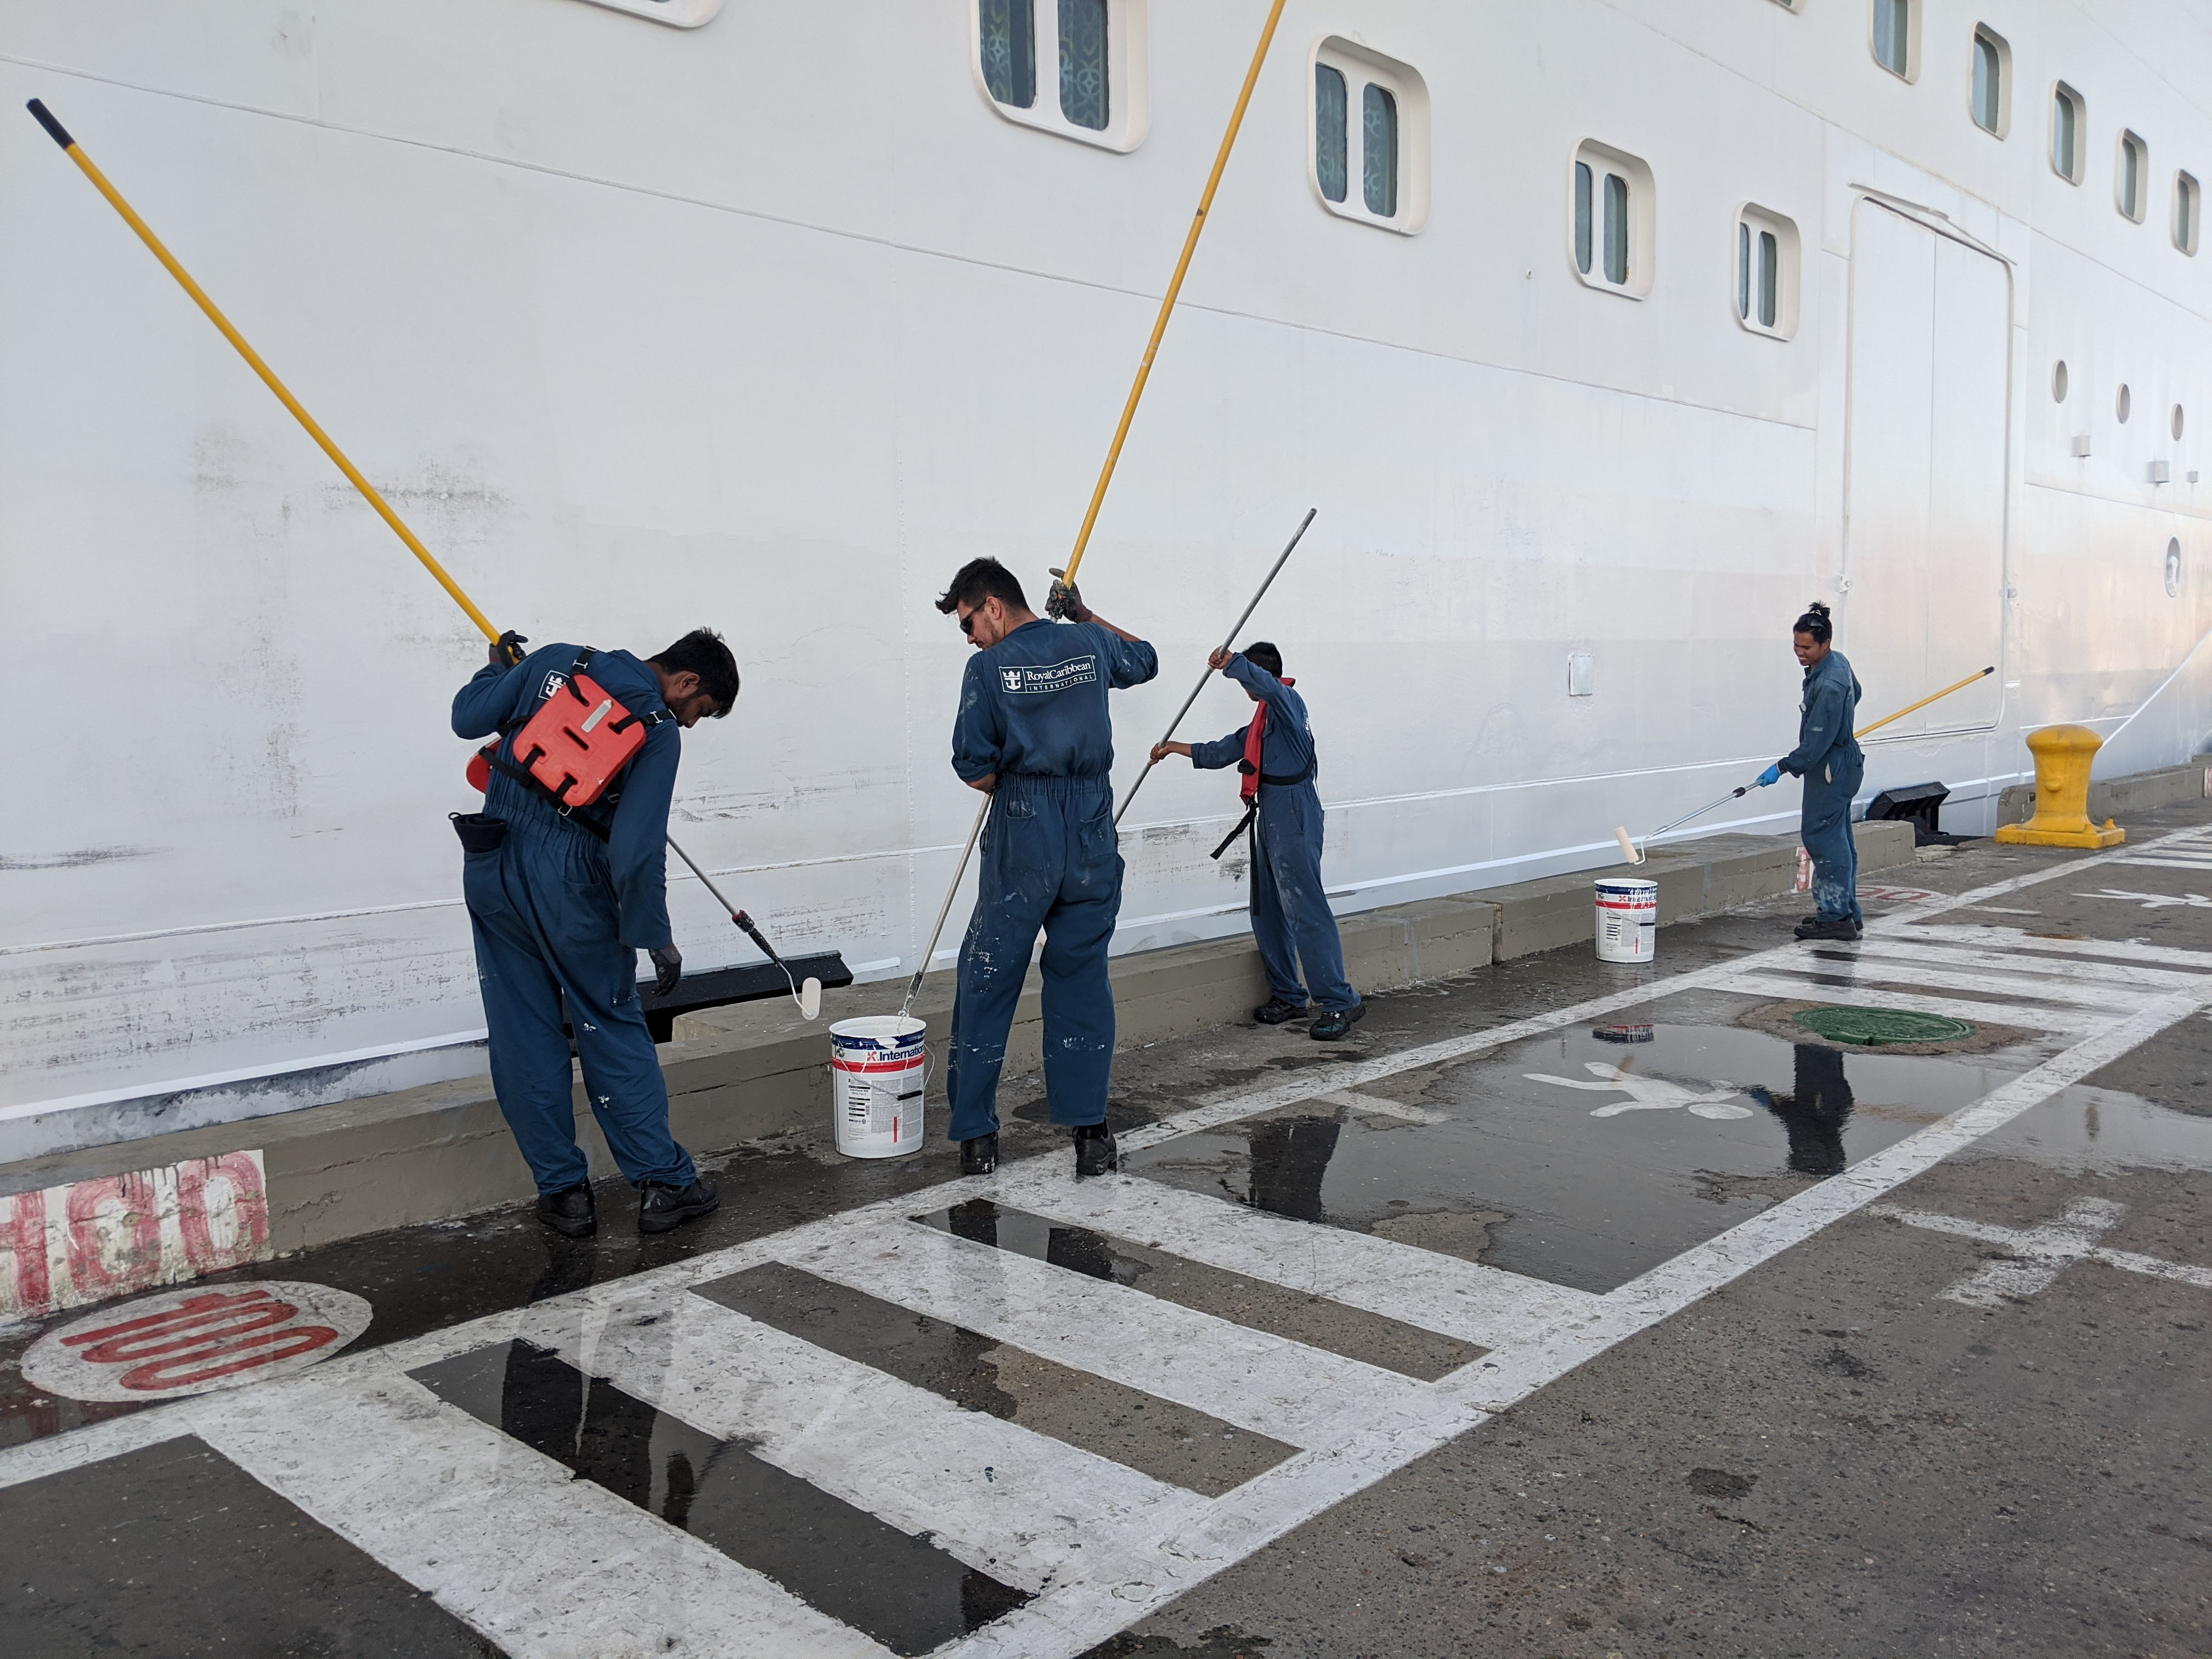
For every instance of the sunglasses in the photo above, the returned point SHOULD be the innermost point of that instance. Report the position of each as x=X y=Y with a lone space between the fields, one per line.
x=968 y=623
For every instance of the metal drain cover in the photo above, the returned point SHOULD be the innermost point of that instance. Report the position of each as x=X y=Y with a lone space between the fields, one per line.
x=1870 y=1028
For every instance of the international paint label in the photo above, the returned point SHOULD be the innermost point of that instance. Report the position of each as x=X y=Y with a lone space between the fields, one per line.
x=195 y=1340
x=62 y=1247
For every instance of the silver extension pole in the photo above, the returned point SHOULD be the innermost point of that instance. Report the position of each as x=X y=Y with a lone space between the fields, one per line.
x=1207 y=673
x=945 y=909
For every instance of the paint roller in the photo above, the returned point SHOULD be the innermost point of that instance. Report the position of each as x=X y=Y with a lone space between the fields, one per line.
x=1636 y=854
x=809 y=996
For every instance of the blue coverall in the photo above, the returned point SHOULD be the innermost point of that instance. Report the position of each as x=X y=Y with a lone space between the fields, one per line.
x=1291 y=922
x=556 y=911
x=1828 y=757
x=1033 y=711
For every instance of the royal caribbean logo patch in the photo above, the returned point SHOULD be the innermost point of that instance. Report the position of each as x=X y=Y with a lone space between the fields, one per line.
x=1030 y=682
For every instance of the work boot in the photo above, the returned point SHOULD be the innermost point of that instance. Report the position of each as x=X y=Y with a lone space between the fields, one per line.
x=568 y=1211
x=661 y=1208
x=1277 y=1011
x=1335 y=1023
x=1096 y=1154
x=981 y=1155
x=1841 y=929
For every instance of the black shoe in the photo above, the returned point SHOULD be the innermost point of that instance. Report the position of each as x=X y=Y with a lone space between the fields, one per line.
x=568 y=1211
x=661 y=1208
x=1336 y=1024
x=1096 y=1154
x=1842 y=929
x=981 y=1155
x=1277 y=1011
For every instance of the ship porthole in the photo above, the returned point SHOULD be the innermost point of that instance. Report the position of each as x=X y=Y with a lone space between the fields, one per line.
x=2173 y=569
x=2058 y=382
x=2122 y=404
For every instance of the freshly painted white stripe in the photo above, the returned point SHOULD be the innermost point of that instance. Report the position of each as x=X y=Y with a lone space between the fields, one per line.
x=2126 y=950
x=2024 y=1241
x=1784 y=988
x=995 y=1494
x=2026 y=985
x=1383 y=1105
x=539 y=1562
x=1442 y=1293
x=2179 y=1271
x=59 y=1454
x=1281 y=1388
x=2101 y=973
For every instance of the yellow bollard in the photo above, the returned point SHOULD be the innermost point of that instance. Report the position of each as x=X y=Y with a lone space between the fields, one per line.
x=2063 y=754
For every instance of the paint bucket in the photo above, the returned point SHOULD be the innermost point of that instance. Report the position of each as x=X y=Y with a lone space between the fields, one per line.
x=878 y=1072
x=1627 y=921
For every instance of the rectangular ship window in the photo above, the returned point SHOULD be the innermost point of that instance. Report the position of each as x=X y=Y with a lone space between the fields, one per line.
x=1329 y=142
x=1083 y=94
x=1378 y=151
x=1009 y=47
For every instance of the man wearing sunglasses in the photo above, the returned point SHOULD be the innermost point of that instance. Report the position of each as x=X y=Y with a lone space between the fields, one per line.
x=1033 y=733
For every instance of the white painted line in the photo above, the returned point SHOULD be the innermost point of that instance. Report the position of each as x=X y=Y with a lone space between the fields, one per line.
x=1782 y=989
x=1384 y=1106
x=2030 y=970
x=1279 y=1388
x=2059 y=1246
x=1478 y=1304
x=2011 y=938
x=995 y=1494
x=2023 y=985
x=505 y=1539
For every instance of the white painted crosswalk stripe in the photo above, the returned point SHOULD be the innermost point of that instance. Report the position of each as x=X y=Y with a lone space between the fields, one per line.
x=544 y=1564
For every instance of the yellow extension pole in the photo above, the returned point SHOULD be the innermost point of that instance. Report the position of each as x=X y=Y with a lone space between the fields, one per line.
x=75 y=153
x=1174 y=289
x=1979 y=674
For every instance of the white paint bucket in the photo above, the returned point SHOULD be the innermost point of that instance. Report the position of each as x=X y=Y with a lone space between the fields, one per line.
x=1627 y=921
x=878 y=1072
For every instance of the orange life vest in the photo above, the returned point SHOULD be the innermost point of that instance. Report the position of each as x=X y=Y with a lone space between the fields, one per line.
x=572 y=747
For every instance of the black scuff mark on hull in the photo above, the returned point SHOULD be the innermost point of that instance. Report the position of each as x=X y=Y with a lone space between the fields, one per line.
x=78 y=858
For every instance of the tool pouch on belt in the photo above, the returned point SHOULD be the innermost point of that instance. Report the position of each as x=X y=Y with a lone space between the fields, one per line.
x=479 y=833
x=570 y=750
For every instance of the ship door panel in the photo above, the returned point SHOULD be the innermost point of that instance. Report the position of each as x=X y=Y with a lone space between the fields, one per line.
x=1923 y=547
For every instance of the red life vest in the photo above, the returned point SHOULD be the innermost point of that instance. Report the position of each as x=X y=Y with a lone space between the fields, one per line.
x=572 y=749
x=1255 y=737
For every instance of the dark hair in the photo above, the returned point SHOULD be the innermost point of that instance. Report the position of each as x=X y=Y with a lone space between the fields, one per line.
x=1261 y=655
x=702 y=652
x=1815 y=622
x=979 y=579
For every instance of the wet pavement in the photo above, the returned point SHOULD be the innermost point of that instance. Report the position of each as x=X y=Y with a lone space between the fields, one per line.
x=1567 y=1309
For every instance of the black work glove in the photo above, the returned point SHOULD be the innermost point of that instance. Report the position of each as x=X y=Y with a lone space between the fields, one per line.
x=506 y=649
x=668 y=963
x=1064 y=601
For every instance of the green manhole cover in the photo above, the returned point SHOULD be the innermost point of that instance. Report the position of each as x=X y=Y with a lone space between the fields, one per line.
x=1870 y=1028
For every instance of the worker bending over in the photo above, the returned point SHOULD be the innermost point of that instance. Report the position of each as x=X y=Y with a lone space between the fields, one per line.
x=562 y=897
x=1032 y=734
x=1291 y=922
x=1828 y=757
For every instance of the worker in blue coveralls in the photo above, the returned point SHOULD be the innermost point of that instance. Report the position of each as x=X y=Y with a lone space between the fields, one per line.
x=1291 y=922
x=1829 y=758
x=561 y=902
x=1033 y=734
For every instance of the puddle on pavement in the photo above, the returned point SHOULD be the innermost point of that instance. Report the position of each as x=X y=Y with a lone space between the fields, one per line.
x=2085 y=1131
x=1159 y=1438
x=1585 y=1156
x=1319 y=1324
x=903 y=1591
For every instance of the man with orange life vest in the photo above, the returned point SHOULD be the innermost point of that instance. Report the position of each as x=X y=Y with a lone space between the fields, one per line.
x=562 y=897
x=1291 y=922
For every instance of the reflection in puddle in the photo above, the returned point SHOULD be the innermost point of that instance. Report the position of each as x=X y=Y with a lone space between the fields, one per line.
x=1583 y=1157
x=2085 y=1131
x=902 y=1591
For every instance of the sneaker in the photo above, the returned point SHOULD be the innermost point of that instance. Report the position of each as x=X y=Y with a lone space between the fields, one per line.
x=1336 y=1024
x=1841 y=929
x=570 y=1212
x=661 y=1208
x=981 y=1155
x=1096 y=1154
x=1276 y=1010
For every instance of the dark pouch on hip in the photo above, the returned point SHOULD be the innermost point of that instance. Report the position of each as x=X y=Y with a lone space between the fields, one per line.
x=479 y=833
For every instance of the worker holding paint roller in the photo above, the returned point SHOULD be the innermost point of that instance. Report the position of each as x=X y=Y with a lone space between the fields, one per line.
x=1291 y=922
x=1828 y=757
x=562 y=897
x=1033 y=733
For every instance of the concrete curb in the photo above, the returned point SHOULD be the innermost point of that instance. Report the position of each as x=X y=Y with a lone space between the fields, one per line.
x=746 y=1072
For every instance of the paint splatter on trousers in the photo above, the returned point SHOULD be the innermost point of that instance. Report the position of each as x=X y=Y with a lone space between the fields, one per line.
x=1824 y=831
x=1291 y=922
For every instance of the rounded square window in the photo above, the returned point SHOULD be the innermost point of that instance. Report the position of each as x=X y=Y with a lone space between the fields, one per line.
x=1096 y=86
x=1893 y=32
x=2069 y=126
x=1989 y=99
x=2188 y=211
x=1367 y=135
x=1766 y=257
x=1611 y=212
x=2132 y=177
